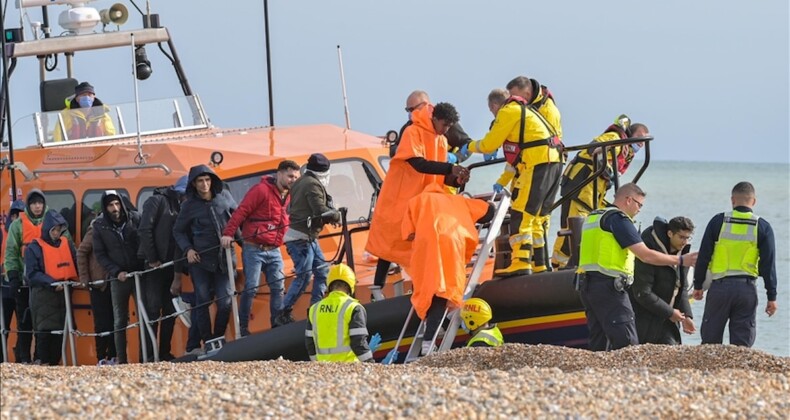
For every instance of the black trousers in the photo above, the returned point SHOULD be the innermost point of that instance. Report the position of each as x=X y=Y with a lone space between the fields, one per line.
x=434 y=317
x=610 y=317
x=382 y=268
x=24 y=322
x=101 y=304
x=158 y=302
x=49 y=347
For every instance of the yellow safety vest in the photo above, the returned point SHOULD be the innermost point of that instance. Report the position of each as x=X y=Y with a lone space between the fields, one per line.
x=330 y=318
x=600 y=250
x=492 y=337
x=736 y=252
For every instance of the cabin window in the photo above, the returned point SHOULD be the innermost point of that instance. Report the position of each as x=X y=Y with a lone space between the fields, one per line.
x=64 y=203
x=240 y=186
x=352 y=183
x=384 y=162
x=91 y=207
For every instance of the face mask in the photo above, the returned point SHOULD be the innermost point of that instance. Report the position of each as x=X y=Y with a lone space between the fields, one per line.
x=635 y=147
x=85 y=101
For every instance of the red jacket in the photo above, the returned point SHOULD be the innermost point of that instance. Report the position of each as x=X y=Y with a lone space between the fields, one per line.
x=262 y=214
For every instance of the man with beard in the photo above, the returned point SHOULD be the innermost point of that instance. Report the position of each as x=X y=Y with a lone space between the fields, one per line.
x=264 y=220
x=115 y=244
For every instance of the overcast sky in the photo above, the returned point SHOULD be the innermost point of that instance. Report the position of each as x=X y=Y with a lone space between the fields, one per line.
x=710 y=78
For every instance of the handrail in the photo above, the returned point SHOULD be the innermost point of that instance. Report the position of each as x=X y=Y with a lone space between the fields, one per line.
x=32 y=175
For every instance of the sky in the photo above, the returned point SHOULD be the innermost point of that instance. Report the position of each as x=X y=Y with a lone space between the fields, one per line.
x=710 y=78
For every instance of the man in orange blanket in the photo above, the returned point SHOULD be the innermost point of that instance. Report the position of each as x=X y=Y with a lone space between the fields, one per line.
x=442 y=228
x=421 y=160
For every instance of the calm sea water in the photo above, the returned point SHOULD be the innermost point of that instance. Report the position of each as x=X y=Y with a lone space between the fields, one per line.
x=699 y=190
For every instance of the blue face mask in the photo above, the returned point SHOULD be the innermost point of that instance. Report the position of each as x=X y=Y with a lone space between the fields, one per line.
x=636 y=147
x=85 y=101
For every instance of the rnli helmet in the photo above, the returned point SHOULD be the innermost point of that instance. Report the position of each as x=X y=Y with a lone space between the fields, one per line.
x=475 y=313
x=623 y=121
x=343 y=273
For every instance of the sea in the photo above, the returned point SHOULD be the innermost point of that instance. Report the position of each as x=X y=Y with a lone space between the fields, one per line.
x=699 y=190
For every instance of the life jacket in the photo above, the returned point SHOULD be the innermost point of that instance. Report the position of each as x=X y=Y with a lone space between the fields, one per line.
x=83 y=128
x=30 y=232
x=512 y=149
x=492 y=337
x=600 y=251
x=58 y=261
x=330 y=318
x=736 y=252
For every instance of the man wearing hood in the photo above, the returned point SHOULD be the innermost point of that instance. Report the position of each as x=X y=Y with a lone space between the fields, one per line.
x=9 y=303
x=157 y=246
x=21 y=232
x=115 y=244
x=197 y=231
x=85 y=116
x=659 y=294
x=310 y=207
x=50 y=258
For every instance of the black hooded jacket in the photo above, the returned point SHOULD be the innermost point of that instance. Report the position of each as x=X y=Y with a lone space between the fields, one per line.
x=200 y=223
x=116 y=245
x=654 y=288
x=48 y=305
x=156 y=225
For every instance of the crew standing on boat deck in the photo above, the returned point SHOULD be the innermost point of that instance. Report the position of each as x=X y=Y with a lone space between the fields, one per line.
x=609 y=244
x=442 y=228
x=476 y=314
x=310 y=208
x=85 y=116
x=9 y=303
x=48 y=259
x=659 y=294
x=738 y=246
x=337 y=325
x=20 y=233
x=528 y=129
x=263 y=218
x=581 y=167
x=157 y=246
x=421 y=160
x=115 y=243
x=197 y=231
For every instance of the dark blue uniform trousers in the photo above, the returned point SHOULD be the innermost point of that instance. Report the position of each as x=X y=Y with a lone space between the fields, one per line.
x=732 y=299
x=610 y=317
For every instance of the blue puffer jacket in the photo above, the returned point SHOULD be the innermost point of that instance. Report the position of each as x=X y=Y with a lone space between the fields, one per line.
x=200 y=223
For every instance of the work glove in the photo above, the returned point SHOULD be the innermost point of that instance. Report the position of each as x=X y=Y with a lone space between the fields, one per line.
x=375 y=342
x=498 y=188
x=490 y=156
x=464 y=151
x=14 y=283
x=452 y=158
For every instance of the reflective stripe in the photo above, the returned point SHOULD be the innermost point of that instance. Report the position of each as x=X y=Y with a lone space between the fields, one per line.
x=341 y=326
x=308 y=333
x=538 y=242
x=334 y=350
x=365 y=356
x=358 y=331
x=524 y=238
x=313 y=358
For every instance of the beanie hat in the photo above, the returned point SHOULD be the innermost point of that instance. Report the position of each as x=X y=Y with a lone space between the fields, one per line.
x=83 y=87
x=181 y=185
x=318 y=163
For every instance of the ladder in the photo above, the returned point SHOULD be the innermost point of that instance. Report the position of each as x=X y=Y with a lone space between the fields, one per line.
x=482 y=254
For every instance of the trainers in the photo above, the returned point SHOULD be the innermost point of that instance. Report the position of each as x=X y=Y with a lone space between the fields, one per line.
x=197 y=351
x=284 y=318
x=516 y=268
x=182 y=309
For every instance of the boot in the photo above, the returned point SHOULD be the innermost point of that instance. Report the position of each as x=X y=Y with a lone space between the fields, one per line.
x=538 y=260
x=517 y=267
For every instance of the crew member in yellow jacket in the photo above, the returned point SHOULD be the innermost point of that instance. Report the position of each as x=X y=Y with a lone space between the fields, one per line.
x=85 y=116
x=442 y=229
x=581 y=167
x=532 y=144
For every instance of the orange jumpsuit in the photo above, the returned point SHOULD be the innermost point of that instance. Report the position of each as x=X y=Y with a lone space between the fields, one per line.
x=402 y=183
x=445 y=239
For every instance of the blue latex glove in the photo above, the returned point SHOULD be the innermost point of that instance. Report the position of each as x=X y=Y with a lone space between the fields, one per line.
x=375 y=342
x=464 y=151
x=498 y=188
x=490 y=156
x=391 y=357
x=452 y=158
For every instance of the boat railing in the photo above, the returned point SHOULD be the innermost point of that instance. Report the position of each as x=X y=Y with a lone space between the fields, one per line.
x=114 y=121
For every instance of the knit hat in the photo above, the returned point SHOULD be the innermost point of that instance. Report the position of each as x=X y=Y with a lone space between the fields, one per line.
x=181 y=185
x=84 y=87
x=318 y=163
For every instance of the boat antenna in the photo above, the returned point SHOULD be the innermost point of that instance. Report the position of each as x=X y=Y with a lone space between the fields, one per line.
x=5 y=112
x=268 y=61
x=140 y=158
x=343 y=83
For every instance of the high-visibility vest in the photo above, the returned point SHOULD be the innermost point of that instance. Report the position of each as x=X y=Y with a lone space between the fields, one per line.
x=58 y=262
x=736 y=252
x=330 y=318
x=491 y=336
x=30 y=232
x=600 y=250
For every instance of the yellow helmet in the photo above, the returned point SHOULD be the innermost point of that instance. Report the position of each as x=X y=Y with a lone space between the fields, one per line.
x=623 y=121
x=475 y=313
x=343 y=273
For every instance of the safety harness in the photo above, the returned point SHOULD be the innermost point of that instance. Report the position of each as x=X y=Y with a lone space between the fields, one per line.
x=511 y=149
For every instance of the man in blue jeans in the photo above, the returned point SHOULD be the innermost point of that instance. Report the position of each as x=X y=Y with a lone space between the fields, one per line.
x=310 y=208
x=263 y=219
x=197 y=231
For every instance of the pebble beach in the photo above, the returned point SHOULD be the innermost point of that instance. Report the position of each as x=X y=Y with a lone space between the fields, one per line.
x=513 y=381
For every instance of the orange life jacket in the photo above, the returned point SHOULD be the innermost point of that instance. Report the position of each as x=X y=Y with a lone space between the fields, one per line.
x=58 y=262
x=512 y=149
x=29 y=232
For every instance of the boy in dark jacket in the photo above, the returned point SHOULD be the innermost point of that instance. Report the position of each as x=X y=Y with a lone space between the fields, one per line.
x=659 y=294
x=197 y=232
x=48 y=259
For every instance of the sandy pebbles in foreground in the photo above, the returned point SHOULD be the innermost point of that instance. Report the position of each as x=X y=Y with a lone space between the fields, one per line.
x=511 y=381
